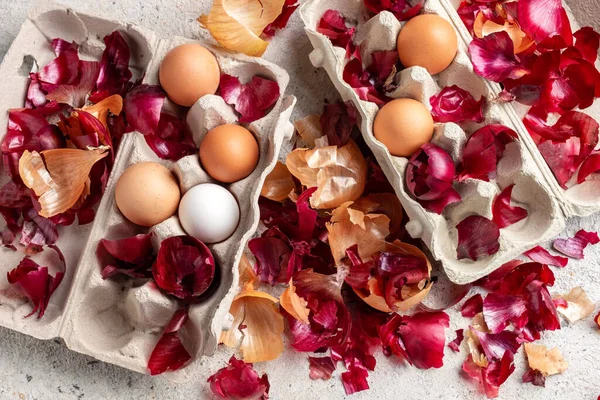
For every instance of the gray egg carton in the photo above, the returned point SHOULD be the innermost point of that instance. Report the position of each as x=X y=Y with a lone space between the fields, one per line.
x=119 y=320
x=536 y=189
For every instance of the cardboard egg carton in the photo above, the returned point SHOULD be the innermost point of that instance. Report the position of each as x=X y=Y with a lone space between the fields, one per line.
x=120 y=320
x=535 y=187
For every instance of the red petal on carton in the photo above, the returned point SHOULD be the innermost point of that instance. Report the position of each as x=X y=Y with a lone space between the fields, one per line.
x=587 y=41
x=477 y=237
x=483 y=150
x=36 y=281
x=131 y=256
x=355 y=379
x=172 y=140
x=239 y=381
x=419 y=339
x=321 y=367
x=251 y=100
x=169 y=353
x=590 y=166
x=333 y=25
x=402 y=9
x=454 y=104
x=142 y=106
x=573 y=247
x=546 y=22
x=455 y=344
x=338 y=121
x=74 y=94
x=493 y=376
x=500 y=309
x=282 y=20
x=114 y=73
x=472 y=306
x=503 y=213
x=493 y=57
x=63 y=70
x=496 y=344
x=541 y=255
x=184 y=267
x=430 y=178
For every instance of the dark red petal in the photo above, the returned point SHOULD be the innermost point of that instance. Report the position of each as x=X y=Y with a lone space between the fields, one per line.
x=184 y=267
x=114 y=73
x=282 y=20
x=541 y=255
x=333 y=25
x=251 y=100
x=455 y=344
x=454 y=104
x=477 y=237
x=402 y=9
x=472 y=306
x=493 y=58
x=573 y=247
x=496 y=344
x=534 y=377
x=239 y=381
x=503 y=213
x=338 y=121
x=172 y=140
x=142 y=107
x=587 y=41
x=590 y=166
x=355 y=379
x=321 y=367
x=500 y=309
x=169 y=353
x=35 y=281
x=546 y=21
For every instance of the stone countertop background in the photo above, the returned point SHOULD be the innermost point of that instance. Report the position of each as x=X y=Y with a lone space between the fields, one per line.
x=33 y=369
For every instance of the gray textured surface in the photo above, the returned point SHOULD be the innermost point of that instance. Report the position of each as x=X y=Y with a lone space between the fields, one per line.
x=32 y=369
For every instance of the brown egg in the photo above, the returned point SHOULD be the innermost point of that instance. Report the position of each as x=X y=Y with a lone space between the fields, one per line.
x=428 y=41
x=189 y=72
x=229 y=153
x=403 y=126
x=147 y=194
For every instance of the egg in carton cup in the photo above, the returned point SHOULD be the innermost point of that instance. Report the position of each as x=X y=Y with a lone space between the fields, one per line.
x=120 y=320
x=518 y=166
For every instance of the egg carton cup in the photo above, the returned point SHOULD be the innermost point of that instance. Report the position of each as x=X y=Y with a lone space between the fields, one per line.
x=120 y=320
x=535 y=187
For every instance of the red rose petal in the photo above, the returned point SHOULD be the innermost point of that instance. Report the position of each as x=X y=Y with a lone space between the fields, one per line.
x=333 y=25
x=472 y=306
x=172 y=140
x=239 y=381
x=169 y=353
x=321 y=367
x=282 y=20
x=402 y=9
x=430 y=178
x=573 y=247
x=131 y=256
x=546 y=21
x=477 y=237
x=36 y=282
x=500 y=309
x=251 y=100
x=455 y=344
x=142 y=106
x=541 y=255
x=184 y=267
x=419 y=339
x=503 y=213
x=338 y=121
x=114 y=73
x=493 y=58
x=454 y=104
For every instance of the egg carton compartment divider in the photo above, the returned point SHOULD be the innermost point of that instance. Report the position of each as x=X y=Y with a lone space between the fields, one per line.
x=533 y=190
x=120 y=320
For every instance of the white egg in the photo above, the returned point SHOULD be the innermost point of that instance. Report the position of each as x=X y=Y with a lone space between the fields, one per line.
x=209 y=213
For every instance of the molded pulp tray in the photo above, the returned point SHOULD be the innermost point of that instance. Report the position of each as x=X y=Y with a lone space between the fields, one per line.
x=536 y=189
x=120 y=321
